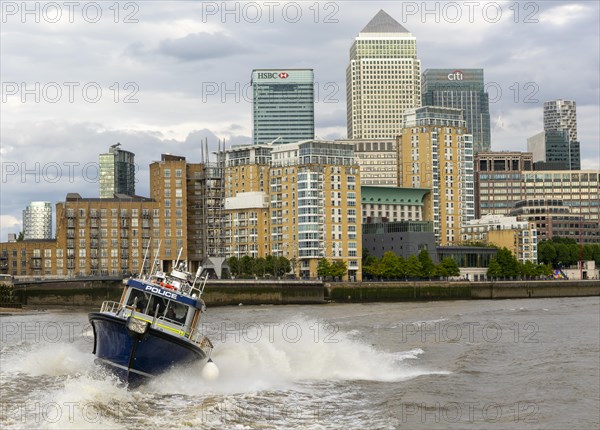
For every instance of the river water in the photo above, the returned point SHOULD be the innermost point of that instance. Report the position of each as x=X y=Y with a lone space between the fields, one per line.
x=463 y=364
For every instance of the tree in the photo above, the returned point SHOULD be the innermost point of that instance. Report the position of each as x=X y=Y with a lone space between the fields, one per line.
x=323 y=268
x=245 y=267
x=563 y=254
x=338 y=269
x=390 y=267
x=427 y=266
x=283 y=266
x=414 y=268
x=259 y=267
x=494 y=269
x=21 y=236
x=270 y=263
x=374 y=267
x=450 y=267
x=440 y=271
x=546 y=252
x=508 y=263
x=234 y=266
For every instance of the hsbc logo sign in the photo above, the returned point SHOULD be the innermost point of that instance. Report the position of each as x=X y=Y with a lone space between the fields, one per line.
x=273 y=75
x=457 y=75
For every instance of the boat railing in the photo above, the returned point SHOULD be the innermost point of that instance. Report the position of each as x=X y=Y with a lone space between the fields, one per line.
x=116 y=308
x=110 y=306
x=203 y=341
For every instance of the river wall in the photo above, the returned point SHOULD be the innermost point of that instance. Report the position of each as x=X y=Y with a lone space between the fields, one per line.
x=91 y=293
x=419 y=291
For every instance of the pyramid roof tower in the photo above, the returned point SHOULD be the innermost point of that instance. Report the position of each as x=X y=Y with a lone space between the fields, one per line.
x=383 y=23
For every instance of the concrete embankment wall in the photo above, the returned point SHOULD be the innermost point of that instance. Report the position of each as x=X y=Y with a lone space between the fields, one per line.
x=415 y=291
x=91 y=293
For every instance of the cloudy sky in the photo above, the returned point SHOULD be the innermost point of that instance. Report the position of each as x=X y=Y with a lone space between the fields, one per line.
x=161 y=76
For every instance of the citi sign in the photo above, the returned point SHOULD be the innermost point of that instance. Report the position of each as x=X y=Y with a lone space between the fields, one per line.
x=272 y=75
x=457 y=75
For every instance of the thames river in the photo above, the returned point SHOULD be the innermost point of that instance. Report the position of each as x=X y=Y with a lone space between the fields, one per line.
x=524 y=364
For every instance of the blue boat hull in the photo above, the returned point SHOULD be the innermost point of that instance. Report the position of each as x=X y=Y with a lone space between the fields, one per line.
x=136 y=358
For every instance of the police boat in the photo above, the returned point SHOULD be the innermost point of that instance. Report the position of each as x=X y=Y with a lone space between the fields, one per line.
x=154 y=327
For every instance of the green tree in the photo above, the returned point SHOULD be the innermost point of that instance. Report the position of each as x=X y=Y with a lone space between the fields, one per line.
x=440 y=271
x=323 y=268
x=20 y=236
x=234 y=266
x=588 y=252
x=245 y=267
x=414 y=268
x=427 y=266
x=270 y=263
x=494 y=269
x=389 y=265
x=373 y=267
x=450 y=267
x=528 y=269
x=508 y=263
x=338 y=269
x=546 y=252
x=283 y=266
x=259 y=267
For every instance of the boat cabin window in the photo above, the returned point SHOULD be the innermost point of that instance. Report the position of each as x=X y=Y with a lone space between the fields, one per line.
x=142 y=299
x=176 y=312
x=156 y=302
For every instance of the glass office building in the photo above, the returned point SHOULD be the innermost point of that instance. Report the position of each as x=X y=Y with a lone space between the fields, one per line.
x=283 y=105
x=117 y=173
x=462 y=89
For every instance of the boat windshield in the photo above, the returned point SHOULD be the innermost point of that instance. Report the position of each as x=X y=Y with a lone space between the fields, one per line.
x=176 y=312
x=169 y=310
x=142 y=300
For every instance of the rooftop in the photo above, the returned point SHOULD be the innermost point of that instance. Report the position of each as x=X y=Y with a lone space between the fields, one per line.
x=383 y=23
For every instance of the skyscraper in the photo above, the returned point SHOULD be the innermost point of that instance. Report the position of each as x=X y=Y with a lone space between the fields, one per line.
x=117 y=172
x=283 y=105
x=561 y=115
x=462 y=89
x=383 y=79
x=37 y=221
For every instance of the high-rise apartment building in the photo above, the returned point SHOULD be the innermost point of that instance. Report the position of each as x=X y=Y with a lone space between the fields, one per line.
x=462 y=89
x=300 y=201
x=561 y=115
x=187 y=220
x=436 y=153
x=378 y=161
x=107 y=236
x=283 y=105
x=247 y=200
x=117 y=172
x=37 y=221
x=383 y=79
x=315 y=205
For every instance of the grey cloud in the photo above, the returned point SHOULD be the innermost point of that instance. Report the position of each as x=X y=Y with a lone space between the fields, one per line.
x=200 y=46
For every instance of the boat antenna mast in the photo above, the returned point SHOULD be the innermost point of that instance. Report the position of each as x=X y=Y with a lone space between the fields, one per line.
x=144 y=261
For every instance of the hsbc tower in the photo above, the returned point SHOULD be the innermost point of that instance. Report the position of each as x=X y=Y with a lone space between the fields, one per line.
x=283 y=105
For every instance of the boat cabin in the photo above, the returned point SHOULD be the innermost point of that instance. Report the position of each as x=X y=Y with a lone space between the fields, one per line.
x=166 y=309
